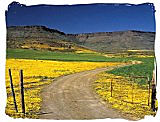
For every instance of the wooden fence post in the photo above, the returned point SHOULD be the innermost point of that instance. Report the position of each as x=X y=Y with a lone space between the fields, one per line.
x=149 y=86
x=22 y=91
x=111 y=88
x=132 y=88
x=12 y=88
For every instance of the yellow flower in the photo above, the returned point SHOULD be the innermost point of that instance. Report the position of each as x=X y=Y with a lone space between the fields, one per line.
x=38 y=73
x=128 y=97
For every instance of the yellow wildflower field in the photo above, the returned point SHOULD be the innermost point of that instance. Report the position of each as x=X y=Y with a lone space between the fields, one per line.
x=38 y=73
x=128 y=97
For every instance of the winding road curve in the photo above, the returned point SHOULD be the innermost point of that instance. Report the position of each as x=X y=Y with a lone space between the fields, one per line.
x=73 y=97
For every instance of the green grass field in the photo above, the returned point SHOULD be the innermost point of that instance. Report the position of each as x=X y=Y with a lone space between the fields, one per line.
x=59 y=56
x=144 y=69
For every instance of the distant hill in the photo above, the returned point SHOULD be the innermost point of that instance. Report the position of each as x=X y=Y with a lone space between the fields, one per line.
x=41 y=37
x=117 y=41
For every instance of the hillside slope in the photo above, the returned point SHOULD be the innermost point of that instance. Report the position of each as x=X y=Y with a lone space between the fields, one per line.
x=41 y=37
x=117 y=41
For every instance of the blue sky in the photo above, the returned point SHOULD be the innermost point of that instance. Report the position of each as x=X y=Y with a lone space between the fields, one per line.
x=84 y=18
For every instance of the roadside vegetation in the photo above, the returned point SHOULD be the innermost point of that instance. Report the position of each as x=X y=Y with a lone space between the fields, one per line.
x=48 y=65
x=129 y=95
x=38 y=73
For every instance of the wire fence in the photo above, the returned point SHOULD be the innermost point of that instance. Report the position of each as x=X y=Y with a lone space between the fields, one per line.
x=129 y=91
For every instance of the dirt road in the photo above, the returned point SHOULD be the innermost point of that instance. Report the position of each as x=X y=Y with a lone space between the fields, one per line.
x=73 y=97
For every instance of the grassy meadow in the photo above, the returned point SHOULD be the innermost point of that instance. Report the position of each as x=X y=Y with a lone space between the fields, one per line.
x=143 y=69
x=38 y=73
x=61 y=56
x=41 y=67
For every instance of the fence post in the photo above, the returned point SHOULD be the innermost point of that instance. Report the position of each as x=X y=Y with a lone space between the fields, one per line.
x=132 y=89
x=12 y=88
x=111 y=88
x=149 y=86
x=22 y=91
